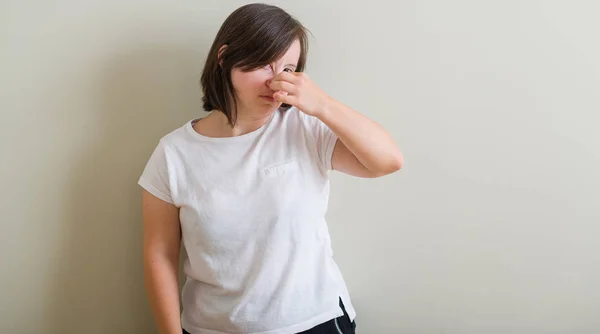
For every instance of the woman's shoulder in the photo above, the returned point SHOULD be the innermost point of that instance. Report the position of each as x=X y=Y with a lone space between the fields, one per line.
x=177 y=138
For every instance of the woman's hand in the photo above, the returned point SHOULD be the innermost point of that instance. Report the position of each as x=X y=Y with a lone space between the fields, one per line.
x=363 y=147
x=297 y=89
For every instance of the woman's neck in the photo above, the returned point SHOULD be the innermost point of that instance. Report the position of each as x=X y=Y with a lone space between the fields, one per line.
x=217 y=125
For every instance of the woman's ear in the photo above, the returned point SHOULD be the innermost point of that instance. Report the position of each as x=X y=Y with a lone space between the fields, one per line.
x=221 y=49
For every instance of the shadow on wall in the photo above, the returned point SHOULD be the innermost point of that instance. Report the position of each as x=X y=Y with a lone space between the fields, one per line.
x=135 y=98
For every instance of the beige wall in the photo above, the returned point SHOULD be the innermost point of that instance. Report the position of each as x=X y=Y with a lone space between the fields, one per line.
x=492 y=227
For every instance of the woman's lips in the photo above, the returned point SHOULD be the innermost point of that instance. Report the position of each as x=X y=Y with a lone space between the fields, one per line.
x=270 y=97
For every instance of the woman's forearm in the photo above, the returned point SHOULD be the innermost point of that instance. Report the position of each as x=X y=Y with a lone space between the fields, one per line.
x=372 y=145
x=161 y=281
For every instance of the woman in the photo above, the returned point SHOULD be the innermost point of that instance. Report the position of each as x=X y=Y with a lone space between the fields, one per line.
x=245 y=189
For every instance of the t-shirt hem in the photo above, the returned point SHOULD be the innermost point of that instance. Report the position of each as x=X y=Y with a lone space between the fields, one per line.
x=296 y=328
x=348 y=306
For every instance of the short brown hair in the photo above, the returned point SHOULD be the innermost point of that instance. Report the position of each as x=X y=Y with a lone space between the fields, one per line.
x=256 y=35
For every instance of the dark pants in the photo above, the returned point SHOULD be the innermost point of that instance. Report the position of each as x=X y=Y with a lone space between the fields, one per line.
x=341 y=325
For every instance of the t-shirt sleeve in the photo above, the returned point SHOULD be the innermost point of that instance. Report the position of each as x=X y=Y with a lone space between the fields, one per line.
x=155 y=178
x=325 y=139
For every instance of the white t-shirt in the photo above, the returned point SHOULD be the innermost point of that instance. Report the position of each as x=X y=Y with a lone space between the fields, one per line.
x=258 y=255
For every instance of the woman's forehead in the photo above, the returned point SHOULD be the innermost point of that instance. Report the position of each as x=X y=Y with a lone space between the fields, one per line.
x=291 y=55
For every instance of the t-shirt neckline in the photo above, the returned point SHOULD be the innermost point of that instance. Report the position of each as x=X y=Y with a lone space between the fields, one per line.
x=246 y=136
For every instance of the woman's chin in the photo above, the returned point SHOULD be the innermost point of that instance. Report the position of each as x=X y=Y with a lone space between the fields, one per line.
x=270 y=107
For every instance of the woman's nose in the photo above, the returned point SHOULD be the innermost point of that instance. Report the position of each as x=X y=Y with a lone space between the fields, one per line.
x=270 y=79
x=272 y=74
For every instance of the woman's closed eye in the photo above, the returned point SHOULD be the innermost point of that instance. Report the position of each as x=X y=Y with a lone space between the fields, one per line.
x=288 y=69
x=271 y=68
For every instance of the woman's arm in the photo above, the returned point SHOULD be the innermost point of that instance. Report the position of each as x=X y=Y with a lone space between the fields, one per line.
x=364 y=148
x=162 y=239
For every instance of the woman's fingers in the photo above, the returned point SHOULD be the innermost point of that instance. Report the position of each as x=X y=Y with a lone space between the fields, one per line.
x=288 y=76
x=285 y=98
x=283 y=85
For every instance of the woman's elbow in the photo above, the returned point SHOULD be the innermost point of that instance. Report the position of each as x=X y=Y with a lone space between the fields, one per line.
x=397 y=162
x=392 y=165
